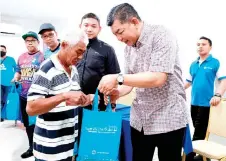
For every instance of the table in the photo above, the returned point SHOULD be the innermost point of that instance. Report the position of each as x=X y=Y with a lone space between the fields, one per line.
x=125 y=142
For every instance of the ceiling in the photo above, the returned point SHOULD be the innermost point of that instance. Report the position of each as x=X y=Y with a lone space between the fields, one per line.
x=36 y=8
x=52 y=9
x=176 y=13
x=62 y=9
x=31 y=13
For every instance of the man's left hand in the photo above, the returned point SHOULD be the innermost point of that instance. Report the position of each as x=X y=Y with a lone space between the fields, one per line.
x=107 y=83
x=89 y=100
x=215 y=100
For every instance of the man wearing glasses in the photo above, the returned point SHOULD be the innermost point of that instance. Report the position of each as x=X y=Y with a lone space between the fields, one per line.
x=28 y=63
x=49 y=37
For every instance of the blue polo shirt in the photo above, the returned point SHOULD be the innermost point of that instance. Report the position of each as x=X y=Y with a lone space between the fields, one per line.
x=7 y=69
x=202 y=77
x=49 y=52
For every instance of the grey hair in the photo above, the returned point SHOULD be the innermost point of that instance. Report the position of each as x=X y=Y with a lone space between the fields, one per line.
x=73 y=37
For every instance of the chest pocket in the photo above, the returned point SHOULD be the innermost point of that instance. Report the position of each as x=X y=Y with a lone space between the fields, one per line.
x=210 y=72
x=206 y=71
x=95 y=60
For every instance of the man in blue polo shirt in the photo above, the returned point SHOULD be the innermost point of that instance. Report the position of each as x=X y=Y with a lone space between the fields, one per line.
x=50 y=39
x=7 y=70
x=203 y=73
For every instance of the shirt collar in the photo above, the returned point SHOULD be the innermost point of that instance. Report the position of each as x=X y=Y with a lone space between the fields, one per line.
x=92 y=41
x=54 y=58
x=142 y=40
x=207 y=59
x=56 y=62
x=57 y=48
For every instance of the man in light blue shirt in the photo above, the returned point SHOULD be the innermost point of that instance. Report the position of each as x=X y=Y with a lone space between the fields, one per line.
x=49 y=37
x=7 y=69
x=203 y=73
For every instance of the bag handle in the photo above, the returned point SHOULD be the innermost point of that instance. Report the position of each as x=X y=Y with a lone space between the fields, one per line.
x=108 y=108
x=13 y=88
x=96 y=100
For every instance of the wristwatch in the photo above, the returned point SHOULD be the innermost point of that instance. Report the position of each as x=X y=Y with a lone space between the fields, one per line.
x=217 y=95
x=120 y=79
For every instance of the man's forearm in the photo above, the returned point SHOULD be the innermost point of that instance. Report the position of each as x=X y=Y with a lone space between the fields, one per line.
x=124 y=90
x=17 y=76
x=187 y=85
x=222 y=87
x=145 y=79
x=43 y=105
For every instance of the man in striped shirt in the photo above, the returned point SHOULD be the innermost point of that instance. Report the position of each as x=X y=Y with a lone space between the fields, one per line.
x=54 y=96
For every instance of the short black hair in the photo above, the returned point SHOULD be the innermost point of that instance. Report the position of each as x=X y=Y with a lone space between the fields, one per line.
x=205 y=38
x=90 y=15
x=3 y=46
x=122 y=12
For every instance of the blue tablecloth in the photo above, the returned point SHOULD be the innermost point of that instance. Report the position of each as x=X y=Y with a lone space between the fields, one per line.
x=126 y=145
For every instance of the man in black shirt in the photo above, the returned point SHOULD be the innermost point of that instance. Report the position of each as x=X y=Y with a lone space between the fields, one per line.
x=98 y=60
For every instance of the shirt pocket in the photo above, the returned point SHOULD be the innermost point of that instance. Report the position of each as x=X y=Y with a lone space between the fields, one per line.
x=209 y=72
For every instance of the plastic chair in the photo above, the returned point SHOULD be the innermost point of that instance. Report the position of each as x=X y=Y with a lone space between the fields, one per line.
x=217 y=126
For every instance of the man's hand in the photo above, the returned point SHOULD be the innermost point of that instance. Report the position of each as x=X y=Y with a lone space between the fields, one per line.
x=74 y=98
x=15 y=79
x=89 y=100
x=215 y=100
x=114 y=95
x=107 y=83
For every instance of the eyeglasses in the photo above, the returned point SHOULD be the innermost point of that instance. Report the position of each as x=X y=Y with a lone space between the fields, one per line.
x=30 y=41
x=50 y=35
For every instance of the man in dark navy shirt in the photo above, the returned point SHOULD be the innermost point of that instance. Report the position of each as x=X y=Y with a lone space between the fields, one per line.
x=98 y=60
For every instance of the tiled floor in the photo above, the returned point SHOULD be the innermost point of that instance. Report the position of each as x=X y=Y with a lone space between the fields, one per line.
x=13 y=142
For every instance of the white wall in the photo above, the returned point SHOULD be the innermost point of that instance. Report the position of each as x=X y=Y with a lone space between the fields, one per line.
x=15 y=44
x=188 y=19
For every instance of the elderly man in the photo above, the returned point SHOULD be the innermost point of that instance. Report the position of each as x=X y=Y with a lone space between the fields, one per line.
x=158 y=115
x=54 y=96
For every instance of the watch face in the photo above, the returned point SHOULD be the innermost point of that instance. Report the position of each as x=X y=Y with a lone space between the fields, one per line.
x=120 y=79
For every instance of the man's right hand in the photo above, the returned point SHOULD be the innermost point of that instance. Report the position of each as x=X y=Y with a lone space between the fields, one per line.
x=15 y=79
x=114 y=95
x=75 y=98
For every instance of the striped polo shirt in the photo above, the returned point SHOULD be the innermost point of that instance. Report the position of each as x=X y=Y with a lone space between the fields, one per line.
x=55 y=131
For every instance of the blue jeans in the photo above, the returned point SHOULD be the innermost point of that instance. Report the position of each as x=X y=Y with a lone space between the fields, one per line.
x=4 y=93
